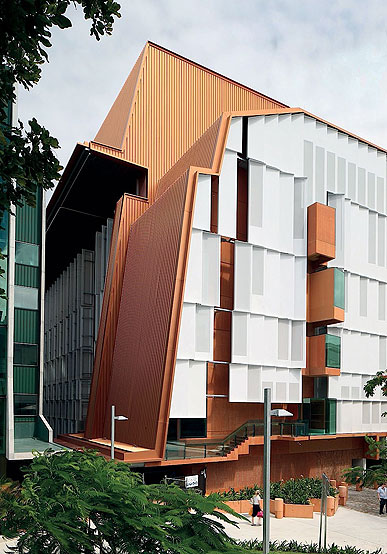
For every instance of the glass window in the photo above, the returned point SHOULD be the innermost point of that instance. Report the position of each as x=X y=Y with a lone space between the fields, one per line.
x=26 y=254
x=332 y=351
x=339 y=288
x=3 y=360
x=25 y=404
x=25 y=354
x=26 y=297
x=191 y=428
x=4 y=216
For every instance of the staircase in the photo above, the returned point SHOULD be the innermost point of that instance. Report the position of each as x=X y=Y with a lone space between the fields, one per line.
x=224 y=448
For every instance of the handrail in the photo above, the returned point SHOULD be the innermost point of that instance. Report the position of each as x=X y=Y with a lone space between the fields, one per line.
x=230 y=442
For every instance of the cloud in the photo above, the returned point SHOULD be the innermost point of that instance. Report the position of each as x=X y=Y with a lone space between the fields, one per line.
x=327 y=57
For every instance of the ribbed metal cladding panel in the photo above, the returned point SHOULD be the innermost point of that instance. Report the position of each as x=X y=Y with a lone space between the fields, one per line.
x=28 y=222
x=113 y=128
x=128 y=210
x=174 y=103
x=201 y=154
x=25 y=380
x=27 y=276
x=27 y=326
x=144 y=317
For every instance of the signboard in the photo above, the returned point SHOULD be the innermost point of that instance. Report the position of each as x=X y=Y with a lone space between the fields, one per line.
x=191 y=481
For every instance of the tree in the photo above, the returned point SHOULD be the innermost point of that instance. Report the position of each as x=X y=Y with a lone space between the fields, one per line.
x=27 y=158
x=380 y=380
x=77 y=502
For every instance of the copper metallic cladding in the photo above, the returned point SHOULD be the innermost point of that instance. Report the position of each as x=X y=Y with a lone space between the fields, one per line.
x=128 y=209
x=114 y=126
x=143 y=330
x=174 y=103
x=201 y=154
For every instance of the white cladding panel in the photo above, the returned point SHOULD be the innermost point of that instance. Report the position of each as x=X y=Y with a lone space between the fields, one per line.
x=202 y=211
x=189 y=390
x=293 y=161
x=234 y=139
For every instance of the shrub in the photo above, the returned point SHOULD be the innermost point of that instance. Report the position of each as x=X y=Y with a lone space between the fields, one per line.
x=294 y=546
x=294 y=491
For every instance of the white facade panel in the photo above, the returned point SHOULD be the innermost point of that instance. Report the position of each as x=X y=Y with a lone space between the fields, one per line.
x=211 y=269
x=242 y=276
x=234 y=139
x=293 y=161
x=202 y=211
x=189 y=390
x=186 y=346
x=193 y=283
x=238 y=380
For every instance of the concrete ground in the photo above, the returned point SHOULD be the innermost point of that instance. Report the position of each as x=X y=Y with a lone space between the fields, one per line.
x=346 y=527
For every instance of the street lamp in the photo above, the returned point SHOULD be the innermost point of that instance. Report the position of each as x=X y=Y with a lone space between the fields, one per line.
x=266 y=463
x=114 y=419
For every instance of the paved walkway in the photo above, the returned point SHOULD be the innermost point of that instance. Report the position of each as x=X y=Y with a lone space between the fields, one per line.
x=346 y=527
x=365 y=500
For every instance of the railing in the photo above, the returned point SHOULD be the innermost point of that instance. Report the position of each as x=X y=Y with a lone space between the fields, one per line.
x=181 y=450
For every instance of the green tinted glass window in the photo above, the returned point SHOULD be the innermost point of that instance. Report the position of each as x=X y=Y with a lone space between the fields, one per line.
x=3 y=360
x=332 y=351
x=2 y=425
x=26 y=297
x=25 y=404
x=26 y=254
x=330 y=416
x=4 y=233
x=25 y=354
x=339 y=288
x=3 y=263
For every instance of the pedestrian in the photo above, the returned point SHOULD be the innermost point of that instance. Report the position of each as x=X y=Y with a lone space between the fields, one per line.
x=256 y=508
x=382 y=495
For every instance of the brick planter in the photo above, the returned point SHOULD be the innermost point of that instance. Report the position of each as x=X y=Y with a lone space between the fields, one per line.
x=332 y=505
x=298 y=510
x=288 y=510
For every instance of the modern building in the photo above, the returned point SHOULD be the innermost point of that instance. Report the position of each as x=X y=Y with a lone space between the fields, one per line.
x=247 y=251
x=23 y=427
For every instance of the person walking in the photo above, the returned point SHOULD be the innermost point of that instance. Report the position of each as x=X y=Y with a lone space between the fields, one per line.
x=382 y=495
x=257 y=511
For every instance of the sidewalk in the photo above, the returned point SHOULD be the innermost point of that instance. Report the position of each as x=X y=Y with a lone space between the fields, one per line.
x=347 y=527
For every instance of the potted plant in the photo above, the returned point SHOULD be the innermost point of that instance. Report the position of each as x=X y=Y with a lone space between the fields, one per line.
x=355 y=476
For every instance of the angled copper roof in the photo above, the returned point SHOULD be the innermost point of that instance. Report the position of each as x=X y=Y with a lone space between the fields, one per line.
x=165 y=106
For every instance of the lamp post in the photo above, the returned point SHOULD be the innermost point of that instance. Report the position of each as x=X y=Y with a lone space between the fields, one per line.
x=268 y=412
x=114 y=419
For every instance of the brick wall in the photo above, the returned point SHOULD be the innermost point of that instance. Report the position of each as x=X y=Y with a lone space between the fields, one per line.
x=288 y=459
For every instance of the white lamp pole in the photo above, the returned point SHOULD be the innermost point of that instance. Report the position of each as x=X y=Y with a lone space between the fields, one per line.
x=266 y=470
x=114 y=418
x=268 y=412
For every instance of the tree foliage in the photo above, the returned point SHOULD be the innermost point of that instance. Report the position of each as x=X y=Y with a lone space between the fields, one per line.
x=27 y=157
x=380 y=380
x=373 y=474
x=77 y=502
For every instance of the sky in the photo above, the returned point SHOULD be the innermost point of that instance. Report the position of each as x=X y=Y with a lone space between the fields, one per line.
x=326 y=56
